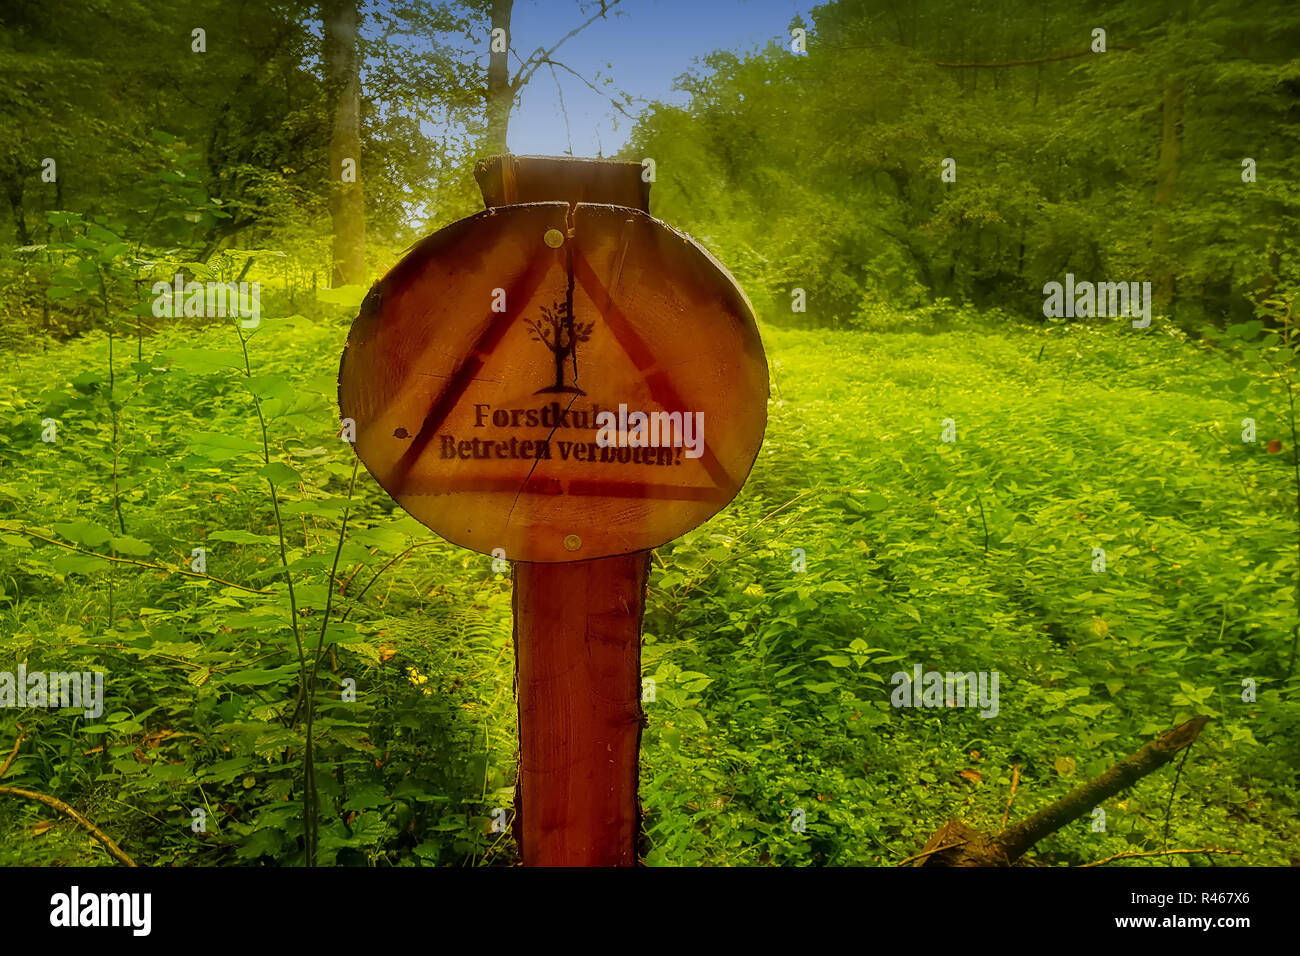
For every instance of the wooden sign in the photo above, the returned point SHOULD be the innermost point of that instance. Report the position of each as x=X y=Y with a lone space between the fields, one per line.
x=567 y=382
x=555 y=383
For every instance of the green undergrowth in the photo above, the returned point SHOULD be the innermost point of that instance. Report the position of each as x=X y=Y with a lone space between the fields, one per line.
x=863 y=545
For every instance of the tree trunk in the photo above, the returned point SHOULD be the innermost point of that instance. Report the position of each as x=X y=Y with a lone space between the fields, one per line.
x=347 y=204
x=1167 y=166
x=500 y=94
x=14 y=188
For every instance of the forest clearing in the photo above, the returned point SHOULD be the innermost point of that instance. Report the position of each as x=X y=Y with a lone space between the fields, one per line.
x=772 y=685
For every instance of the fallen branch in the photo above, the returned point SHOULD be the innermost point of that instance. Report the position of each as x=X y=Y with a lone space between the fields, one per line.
x=12 y=754
x=59 y=805
x=939 y=849
x=1004 y=848
x=1122 y=775
x=1132 y=853
x=140 y=564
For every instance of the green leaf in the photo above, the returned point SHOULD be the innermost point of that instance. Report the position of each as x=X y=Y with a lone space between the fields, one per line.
x=204 y=360
x=132 y=547
x=387 y=539
x=366 y=797
x=83 y=533
x=690 y=719
x=69 y=563
x=259 y=677
x=244 y=537
x=268 y=387
x=315 y=506
x=279 y=473
x=837 y=660
x=218 y=446
x=1244 y=330
x=834 y=587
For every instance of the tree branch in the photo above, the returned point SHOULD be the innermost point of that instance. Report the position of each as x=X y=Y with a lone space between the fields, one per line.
x=140 y=564
x=1134 y=853
x=939 y=849
x=531 y=65
x=12 y=754
x=958 y=844
x=1050 y=58
x=59 y=805
x=1019 y=838
x=615 y=103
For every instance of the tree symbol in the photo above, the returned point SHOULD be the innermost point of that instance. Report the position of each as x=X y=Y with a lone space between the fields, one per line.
x=559 y=333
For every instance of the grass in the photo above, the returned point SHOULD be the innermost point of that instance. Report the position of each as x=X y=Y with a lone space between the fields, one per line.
x=772 y=684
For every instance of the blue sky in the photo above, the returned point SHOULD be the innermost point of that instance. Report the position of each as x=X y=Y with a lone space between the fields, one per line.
x=643 y=45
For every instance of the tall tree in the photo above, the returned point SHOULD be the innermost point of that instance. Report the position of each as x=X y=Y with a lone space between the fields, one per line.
x=502 y=89
x=347 y=200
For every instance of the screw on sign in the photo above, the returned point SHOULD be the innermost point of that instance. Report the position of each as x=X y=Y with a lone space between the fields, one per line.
x=571 y=381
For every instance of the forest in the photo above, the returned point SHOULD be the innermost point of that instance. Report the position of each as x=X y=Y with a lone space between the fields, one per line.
x=1027 y=281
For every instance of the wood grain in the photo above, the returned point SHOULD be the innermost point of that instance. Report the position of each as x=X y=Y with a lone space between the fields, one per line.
x=577 y=678
x=444 y=359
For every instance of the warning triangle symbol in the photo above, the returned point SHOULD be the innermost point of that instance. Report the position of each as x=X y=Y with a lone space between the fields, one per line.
x=542 y=373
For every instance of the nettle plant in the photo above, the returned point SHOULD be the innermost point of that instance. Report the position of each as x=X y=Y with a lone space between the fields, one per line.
x=95 y=268
x=297 y=691
x=268 y=733
x=266 y=706
x=95 y=271
x=245 y=686
x=1269 y=351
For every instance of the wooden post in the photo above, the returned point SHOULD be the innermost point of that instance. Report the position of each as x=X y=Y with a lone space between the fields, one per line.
x=578 y=681
x=461 y=375
x=577 y=629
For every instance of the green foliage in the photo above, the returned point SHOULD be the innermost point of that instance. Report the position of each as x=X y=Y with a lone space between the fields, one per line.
x=823 y=171
x=194 y=528
x=772 y=685
x=202 y=675
x=778 y=682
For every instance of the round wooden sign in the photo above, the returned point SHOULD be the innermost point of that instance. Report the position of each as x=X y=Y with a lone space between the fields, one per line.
x=548 y=382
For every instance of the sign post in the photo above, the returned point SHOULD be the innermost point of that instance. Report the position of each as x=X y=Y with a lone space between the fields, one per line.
x=566 y=382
